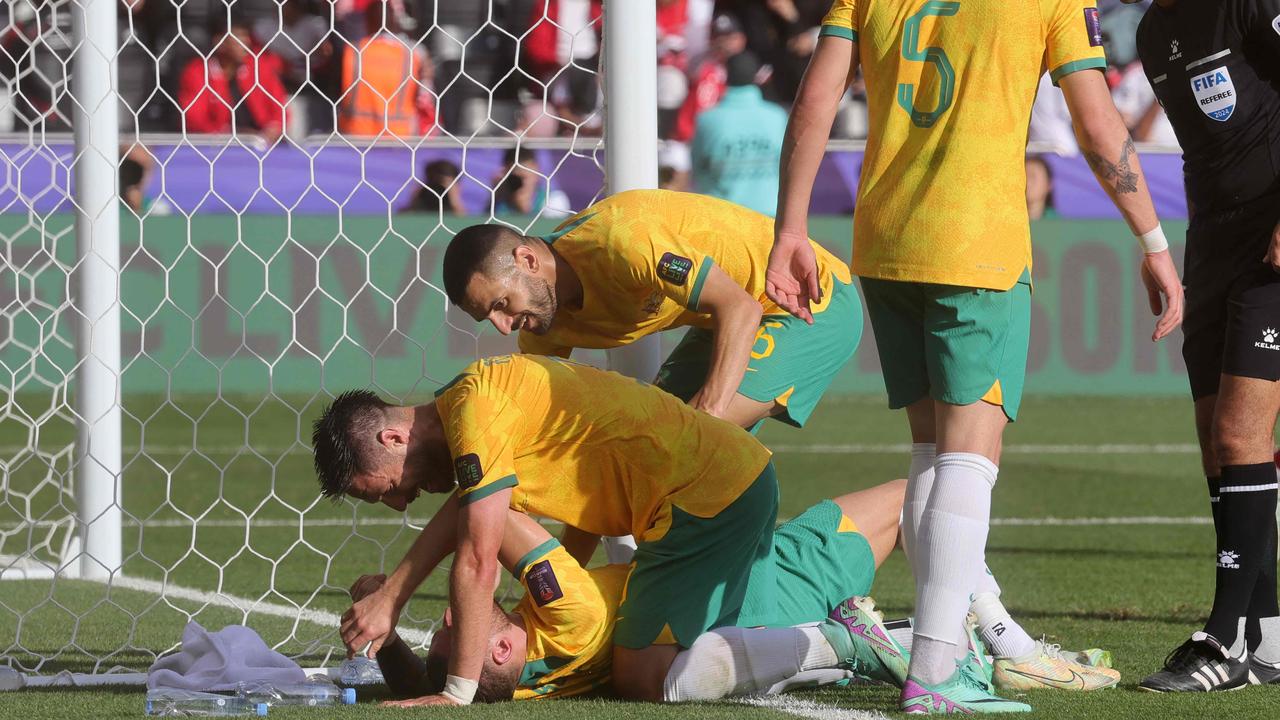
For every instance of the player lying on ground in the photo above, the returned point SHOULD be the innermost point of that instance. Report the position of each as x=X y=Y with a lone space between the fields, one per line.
x=556 y=641
x=644 y=261
x=588 y=448
x=1218 y=86
x=943 y=247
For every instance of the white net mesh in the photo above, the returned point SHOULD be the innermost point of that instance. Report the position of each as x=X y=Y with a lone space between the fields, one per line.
x=288 y=172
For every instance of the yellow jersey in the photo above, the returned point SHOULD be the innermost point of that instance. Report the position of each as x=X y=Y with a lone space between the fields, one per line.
x=568 y=615
x=950 y=84
x=642 y=257
x=589 y=448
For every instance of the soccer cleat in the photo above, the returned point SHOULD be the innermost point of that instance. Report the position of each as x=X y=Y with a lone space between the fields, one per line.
x=857 y=633
x=1263 y=673
x=960 y=693
x=1200 y=664
x=1046 y=667
x=1093 y=657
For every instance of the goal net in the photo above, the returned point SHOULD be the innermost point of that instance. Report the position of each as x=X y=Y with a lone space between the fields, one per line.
x=217 y=215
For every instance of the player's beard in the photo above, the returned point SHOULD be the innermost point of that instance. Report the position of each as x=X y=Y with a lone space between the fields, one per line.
x=542 y=303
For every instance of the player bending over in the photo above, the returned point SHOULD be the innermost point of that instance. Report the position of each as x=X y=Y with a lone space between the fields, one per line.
x=591 y=449
x=644 y=261
x=556 y=643
x=943 y=247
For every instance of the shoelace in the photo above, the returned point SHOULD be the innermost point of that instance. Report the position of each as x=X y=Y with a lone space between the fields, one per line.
x=1051 y=650
x=1183 y=658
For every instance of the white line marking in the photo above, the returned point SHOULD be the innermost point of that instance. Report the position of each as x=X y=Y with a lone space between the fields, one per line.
x=1208 y=58
x=805 y=708
x=247 y=606
x=1101 y=521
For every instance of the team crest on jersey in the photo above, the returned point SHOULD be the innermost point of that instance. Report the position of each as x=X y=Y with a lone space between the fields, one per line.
x=467 y=471
x=1215 y=93
x=653 y=303
x=1093 y=26
x=542 y=583
x=674 y=268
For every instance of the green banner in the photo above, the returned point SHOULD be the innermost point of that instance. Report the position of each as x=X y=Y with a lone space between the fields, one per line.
x=260 y=304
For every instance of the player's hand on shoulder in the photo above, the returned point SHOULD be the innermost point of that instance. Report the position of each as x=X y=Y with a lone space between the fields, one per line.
x=791 y=280
x=424 y=701
x=1164 y=292
x=366 y=584
x=371 y=621
x=1273 y=250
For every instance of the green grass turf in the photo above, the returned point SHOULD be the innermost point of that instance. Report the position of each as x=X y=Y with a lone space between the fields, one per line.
x=1134 y=589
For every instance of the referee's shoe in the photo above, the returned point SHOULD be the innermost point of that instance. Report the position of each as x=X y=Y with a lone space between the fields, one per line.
x=1200 y=664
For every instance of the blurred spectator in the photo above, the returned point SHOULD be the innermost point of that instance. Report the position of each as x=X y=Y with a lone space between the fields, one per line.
x=738 y=142
x=300 y=38
x=521 y=189
x=1051 y=121
x=783 y=34
x=1039 y=189
x=136 y=165
x=386 y=81
x=673 y=84
x=697 y=29
x=234 y=89
x=673 y=166
x=727 y=40
x=562 y=52
x=478 y=31
x=440 y=191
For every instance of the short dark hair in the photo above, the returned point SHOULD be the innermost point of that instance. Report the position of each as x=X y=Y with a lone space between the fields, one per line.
x=344 y=437
x=473 y=251
x=496 y=684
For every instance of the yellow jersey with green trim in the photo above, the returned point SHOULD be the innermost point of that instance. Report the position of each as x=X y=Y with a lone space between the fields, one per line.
x=950 y=84
x=590 y=448
x=642 y=257
x=568 y=614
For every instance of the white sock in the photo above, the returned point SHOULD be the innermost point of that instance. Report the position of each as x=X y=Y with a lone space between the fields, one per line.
x=919 y=484
x=1268 y=649
x=745 y=661
x=1002 y=634
x=811 y=678
x=951 y=544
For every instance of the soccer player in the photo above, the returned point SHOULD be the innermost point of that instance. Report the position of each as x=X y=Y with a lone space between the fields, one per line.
x=595 y=450
x=555 y=643
x=942 y=244
x=644 y=261
x=1213 y=67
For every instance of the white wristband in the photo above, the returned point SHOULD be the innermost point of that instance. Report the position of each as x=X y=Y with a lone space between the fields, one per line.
x=459 y=689
x=1153 y=241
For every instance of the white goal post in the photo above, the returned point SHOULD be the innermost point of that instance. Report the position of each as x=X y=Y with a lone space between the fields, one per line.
x=178 y=302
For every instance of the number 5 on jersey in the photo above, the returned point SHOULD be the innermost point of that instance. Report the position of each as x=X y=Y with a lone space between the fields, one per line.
x=912 y=51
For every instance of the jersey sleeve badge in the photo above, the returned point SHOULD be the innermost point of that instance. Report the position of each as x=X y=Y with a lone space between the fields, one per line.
x=674 y=268
x=542 y=583
x=1093 y=26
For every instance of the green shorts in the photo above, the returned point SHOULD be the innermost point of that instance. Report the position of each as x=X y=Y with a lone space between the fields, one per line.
x=955 y=344
x=695 y=577
x=820 y=560
x=792 y=362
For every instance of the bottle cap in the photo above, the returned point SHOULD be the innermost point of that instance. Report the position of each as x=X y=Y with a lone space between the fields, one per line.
x=349 y=696
x=261 y=709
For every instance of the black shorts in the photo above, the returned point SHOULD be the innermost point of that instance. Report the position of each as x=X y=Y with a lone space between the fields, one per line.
x=1232 y=321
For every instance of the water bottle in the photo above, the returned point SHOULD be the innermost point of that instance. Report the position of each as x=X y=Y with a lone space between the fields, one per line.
x=359 y=670
x=172 y=702
x=316 y=691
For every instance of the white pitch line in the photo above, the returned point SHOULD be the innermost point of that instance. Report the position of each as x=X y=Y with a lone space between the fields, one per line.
x=805 y=708
x=807 y=449
x=1101 y=521
x=170 y=591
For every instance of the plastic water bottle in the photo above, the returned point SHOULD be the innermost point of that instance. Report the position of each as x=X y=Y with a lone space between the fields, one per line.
x=359 y=670
x=316 y=691
x=11 y=679
x=172 y=702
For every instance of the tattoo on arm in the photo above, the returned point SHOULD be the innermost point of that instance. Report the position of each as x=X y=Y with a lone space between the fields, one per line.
x=1120 y=173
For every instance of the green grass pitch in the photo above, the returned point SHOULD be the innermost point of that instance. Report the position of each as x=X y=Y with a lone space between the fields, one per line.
x=1137 y=589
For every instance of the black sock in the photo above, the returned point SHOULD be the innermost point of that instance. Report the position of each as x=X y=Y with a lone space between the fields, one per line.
x=1246 y=523
x=1263 y=602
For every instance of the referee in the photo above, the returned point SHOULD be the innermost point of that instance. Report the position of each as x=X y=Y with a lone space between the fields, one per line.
x=1215 y=67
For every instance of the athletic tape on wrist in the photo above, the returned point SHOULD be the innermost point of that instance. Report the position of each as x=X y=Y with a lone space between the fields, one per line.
x=1153 y=241
x=460 y=690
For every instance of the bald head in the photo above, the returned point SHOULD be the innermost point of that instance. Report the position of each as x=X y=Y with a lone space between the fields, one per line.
x=495 y=273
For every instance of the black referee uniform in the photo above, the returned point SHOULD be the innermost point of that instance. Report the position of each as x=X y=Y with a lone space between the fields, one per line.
x=1215 y=67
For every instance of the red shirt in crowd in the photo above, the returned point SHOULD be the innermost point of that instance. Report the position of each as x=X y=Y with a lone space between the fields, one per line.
x=708 y=86
x=208 y=97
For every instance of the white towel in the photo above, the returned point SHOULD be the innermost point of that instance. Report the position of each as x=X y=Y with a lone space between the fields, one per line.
x=211 y=661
